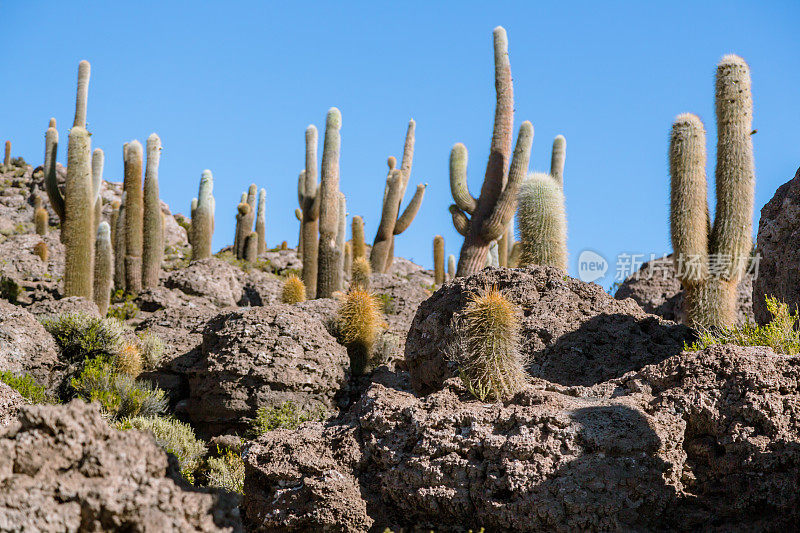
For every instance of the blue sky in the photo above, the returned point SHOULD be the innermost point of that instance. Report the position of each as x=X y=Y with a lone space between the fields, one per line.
x=231 y=86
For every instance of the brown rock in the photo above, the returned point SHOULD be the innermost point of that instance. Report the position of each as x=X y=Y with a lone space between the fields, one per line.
x=72 y=304
x=573 y=332
x=26 y=347
x=10 y=402
x=62 y=468
x=210 y=278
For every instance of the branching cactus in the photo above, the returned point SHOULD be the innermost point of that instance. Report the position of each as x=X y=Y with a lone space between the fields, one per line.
x=329 y=267
x=542 y=222
x=261 y=221
x=359 y=246
x=489 y=215
x=103 y=268
x=711 y=260
x=98 y=161
x=382 y=253
x=438 y=260
x=294 y=291
x=134 y=213
x=360 y=273
x=40 y=216
x=119 y=247
x=203 y=220
x=308 y=196
x=153 y=223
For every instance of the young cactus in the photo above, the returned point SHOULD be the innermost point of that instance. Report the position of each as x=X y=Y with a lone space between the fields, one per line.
x=360 y=273
x=7 y=158
x=153 y=223
x=711 y=260
x=203 y=219
x=438 y=260
x=261 y=221
x=294 y=291
x=451 y=267
x=40 y=216
x=491 y=213
x=382 y=253
x=359 y=247
x=542 y=222
x=40 y=249
x=308 y=196
x=134 y=214
x=329 y=265
x=360 y=321
x=103 y=268
x=488 y=356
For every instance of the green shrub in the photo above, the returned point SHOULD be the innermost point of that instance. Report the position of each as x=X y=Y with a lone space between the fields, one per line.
x=226 y=472
x=27 y=387
x=780 y=334
x=388 y=305
x=119 y=396
x=174 y=437
x=123 y=311
x=285 y=416
x=152 y=349
x=81 y=337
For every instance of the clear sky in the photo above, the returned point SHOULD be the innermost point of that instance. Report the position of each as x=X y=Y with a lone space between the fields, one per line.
x=231 y=86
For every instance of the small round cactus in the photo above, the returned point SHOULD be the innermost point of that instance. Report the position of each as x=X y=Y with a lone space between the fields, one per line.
x=294 y=290
x=360 y=321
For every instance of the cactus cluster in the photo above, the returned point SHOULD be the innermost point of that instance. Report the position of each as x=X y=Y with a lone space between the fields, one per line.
x=391 y=225
x=486 y=219
x=711 y=259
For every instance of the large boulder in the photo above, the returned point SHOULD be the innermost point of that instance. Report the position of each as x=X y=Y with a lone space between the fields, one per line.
x=703 y=440
x=26 y=347
x=210 y=278
x=37 y=279
x=656 y=289
x=10 y=402
x=263 y=357
x=71 y=304
x=573 y=332
x=778 y=244
x=62 y=468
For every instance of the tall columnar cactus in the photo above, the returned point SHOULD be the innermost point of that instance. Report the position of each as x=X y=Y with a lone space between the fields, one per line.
x=438 y=260
x=153 y=223
x=40 y=216
x=251 y=247
x=359 y=247
x=261 y=221
x=711 y=260
x=494 y=208
x=382 y=253
x=7 y=158
x=542 y=222
x=134 y=213
x=78 y=226
x=98 y=161
x=341 y=236
x=557 y=160
x=329 y=264
x=203 y=219
x=50 y=176
x=103 y=268
x=242 y=210
x=115 y=205
x=119 y=246
x=246 y=221
x=309 y=198
x=451 y=267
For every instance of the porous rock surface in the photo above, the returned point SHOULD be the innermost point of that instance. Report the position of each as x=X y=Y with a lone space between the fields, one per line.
x=26 y=347
x=573 y=332
x=778 y=243
x=62 y=468
x=656 y=289
x=71 y=304
x=700 y=441
x=263 y=357
x=10 y=402
x=210 y=278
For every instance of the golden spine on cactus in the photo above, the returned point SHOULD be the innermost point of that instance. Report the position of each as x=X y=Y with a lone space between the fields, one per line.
x=542 y=222
x=328 y=263
x=382 y=253
x=360 y=273
x=203 y=219
x=40 y=216
x=261 y=221
x=78 y=226
x=488 y=358
x=98 y=161
x=438 y=260
x=711 y=259
x=119 y=247
x=309 y=198
x=557 y=159
x=40 y=249
x=490 y=214
x=251 y=247
x=360 y=321
x=358 y=244
x=294 y=290
x=103 y=268
x=134 y=214
x=153 y=222
x=50 y=175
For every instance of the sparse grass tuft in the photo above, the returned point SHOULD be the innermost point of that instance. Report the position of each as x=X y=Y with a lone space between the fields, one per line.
x=226 y=472
x=285 y=416
x=81 y=337
x=27 y=387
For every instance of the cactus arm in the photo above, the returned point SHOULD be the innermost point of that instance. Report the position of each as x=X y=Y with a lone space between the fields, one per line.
x=411 y=210
x=298 y=214
x=98 y=160
x=408 y=156
x=557 y=159
x=458 y=179
x=460 y=220
x=380 y=247
x=494 y=226
x=82 y=96
x=310 y=172
x=50 y=175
